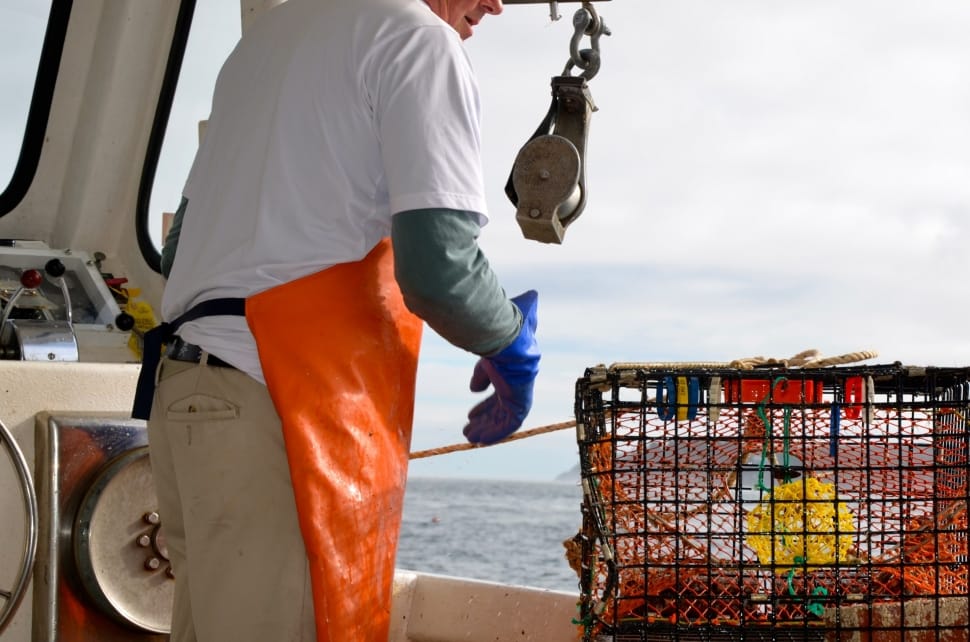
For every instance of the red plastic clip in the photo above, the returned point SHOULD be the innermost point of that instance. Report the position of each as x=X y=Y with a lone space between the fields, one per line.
x=855 y=394
x=784 y=391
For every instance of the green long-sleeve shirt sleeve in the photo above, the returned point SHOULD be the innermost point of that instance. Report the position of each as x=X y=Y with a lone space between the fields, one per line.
x=172 y=239
x=447 y=281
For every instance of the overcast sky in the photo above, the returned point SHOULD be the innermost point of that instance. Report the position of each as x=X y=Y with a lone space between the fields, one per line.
x=764 y=177
x=22 y=24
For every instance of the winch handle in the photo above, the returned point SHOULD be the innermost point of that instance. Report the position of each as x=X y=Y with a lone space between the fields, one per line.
x=29 y=280
x=56 y=270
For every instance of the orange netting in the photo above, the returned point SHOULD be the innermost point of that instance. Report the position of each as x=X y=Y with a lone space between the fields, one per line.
x=772 y=515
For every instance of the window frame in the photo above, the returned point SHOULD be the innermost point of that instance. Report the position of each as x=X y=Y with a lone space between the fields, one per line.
x=41 y=100
x=166 y=97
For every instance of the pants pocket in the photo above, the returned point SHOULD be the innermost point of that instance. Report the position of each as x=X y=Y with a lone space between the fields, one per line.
x=199 y=407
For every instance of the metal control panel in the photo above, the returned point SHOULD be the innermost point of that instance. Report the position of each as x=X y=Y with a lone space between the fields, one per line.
x=56 y=307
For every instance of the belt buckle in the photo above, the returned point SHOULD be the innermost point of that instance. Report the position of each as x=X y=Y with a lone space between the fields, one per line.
x=180 y=350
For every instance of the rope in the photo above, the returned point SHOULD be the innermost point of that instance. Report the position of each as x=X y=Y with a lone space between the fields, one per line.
x=804 y=359
x=524 y=434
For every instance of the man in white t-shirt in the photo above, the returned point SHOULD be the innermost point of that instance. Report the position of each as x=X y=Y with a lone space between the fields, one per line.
x=333 y=206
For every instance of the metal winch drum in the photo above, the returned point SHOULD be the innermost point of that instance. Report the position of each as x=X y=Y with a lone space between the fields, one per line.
x=101 y=571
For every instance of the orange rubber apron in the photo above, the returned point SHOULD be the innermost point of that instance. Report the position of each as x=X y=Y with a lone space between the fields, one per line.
x=339 y=352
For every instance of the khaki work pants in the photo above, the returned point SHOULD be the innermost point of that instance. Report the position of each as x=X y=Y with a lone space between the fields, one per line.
x=227 y=509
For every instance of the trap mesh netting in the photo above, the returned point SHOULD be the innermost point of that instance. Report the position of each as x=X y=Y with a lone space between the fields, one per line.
x=774 y=503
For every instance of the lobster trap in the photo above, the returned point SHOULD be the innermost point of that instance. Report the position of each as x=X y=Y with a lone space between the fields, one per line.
x=774 y=503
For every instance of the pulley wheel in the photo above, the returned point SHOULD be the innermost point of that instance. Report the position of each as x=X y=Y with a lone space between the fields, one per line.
x=547 y=171
x=546 y=179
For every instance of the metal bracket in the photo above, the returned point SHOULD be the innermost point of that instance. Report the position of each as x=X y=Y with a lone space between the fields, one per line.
x=553 y=5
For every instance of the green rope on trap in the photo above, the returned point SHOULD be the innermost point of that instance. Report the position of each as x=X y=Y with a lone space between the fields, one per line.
x=786 y=440
x=814 y=606
x=586 y=622
x=786 y=445
x=791 y=575
x=764 y=444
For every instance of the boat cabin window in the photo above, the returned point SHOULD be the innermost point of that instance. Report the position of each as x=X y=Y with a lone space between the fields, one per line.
x=26 y=84
x=204 y=36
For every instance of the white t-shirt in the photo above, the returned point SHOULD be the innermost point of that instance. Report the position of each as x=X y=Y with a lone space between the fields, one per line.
x=327 y=118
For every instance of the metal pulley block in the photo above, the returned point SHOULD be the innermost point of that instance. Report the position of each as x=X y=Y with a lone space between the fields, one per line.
x=548 y=180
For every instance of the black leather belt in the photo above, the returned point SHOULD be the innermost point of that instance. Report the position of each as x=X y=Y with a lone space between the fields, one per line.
x=179 y=350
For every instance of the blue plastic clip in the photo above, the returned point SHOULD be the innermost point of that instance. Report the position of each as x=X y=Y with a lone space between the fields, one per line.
x=670 y=404
x=665 y=409
x=834 y=430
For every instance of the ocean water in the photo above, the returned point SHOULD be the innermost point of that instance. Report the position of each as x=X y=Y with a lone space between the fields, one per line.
x=501 y=531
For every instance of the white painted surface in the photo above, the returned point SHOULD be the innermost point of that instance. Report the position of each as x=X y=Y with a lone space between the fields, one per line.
x=436 y=608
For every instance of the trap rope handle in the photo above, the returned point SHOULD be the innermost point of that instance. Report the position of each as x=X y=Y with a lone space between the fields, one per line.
x=524 y=434
x=804 y=359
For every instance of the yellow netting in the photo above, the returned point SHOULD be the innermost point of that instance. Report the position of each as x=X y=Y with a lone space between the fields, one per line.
x=801 y=525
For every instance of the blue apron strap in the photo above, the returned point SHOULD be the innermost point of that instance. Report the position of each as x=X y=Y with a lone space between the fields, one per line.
x=158 y=336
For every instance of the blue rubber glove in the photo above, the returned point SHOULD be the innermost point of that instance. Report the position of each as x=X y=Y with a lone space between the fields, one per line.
x=512 y=372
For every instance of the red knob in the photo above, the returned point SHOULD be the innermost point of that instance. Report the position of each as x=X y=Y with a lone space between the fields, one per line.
x=31 y=278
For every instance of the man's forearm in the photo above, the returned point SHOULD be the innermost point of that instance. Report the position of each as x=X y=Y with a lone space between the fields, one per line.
x=447 y=281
